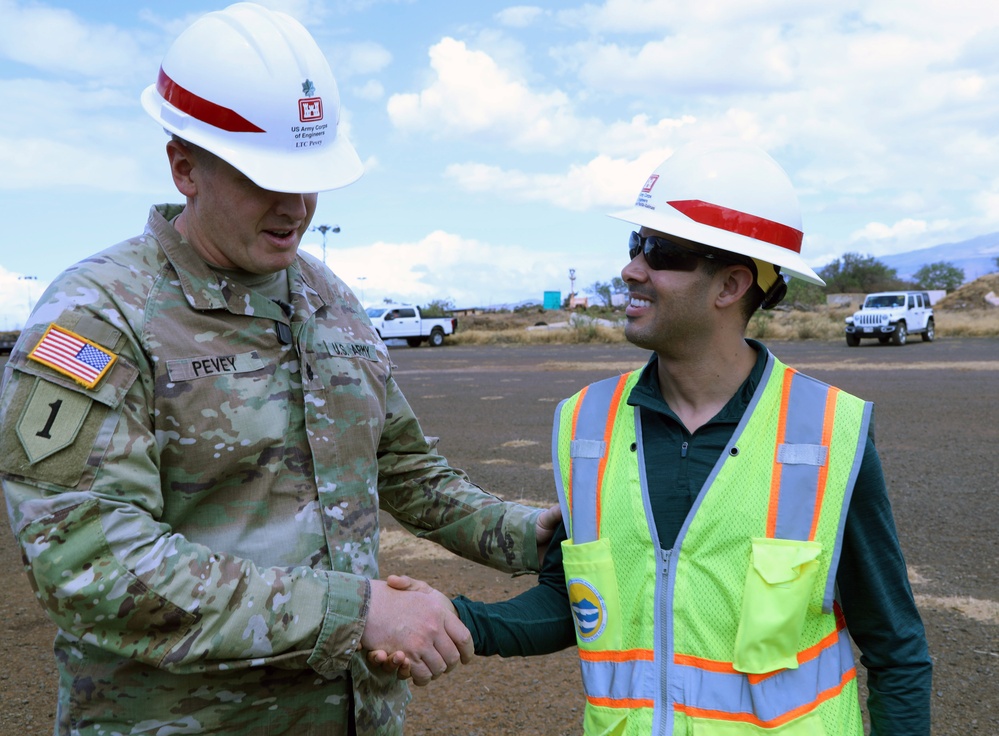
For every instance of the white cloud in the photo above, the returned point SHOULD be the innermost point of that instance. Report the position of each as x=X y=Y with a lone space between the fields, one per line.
x=876 y=231
x=41 y=163
x=686 y=63
x=601 y=183
x=58 y=41
x=445 y=265
x=640 y=135
x=471 y=94
x=359 y=59
x=988 y=203
x=519 y=16
x=643 y=16
x=372 y=90
x=55 y=134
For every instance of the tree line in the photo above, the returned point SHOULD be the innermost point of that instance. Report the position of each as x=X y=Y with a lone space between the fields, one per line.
x=854 y=273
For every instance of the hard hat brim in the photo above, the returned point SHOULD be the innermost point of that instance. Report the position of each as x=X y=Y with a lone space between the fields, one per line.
x=332 y=166
x=683 y=227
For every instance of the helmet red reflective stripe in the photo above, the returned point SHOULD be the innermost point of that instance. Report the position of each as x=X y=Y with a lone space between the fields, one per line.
x=204 y=110
x=741 y=223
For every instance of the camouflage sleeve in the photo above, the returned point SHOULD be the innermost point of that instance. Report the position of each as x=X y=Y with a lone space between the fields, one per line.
x=437 y=502
x=110 y=573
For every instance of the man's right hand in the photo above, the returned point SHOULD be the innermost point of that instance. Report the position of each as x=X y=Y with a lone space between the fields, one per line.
x=419 y=625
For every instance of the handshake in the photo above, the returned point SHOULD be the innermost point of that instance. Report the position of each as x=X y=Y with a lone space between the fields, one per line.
x=412 y=630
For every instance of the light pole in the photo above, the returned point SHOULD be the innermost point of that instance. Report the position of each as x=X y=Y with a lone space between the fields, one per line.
x=325 y=229
x=362 y=279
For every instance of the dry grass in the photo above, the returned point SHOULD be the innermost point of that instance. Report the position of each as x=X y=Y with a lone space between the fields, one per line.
x=497 y=328
x=972 y=296
x=968 y=322
x=819 y=323
x=523 y=335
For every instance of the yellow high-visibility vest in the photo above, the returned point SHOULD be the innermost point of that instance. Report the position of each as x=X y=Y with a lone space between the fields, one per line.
x=734 y=631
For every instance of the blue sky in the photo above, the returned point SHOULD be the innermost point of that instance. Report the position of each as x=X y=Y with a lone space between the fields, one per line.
x=496 y=137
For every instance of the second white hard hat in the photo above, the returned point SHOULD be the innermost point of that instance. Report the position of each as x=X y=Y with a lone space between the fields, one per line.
x=727 y=194
x=252 y=86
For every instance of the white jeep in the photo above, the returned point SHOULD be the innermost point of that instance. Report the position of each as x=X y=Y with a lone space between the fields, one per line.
x=892 y=315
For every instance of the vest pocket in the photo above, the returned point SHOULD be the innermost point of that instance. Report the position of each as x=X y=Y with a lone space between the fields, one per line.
x=593 y=595
x=775 y=600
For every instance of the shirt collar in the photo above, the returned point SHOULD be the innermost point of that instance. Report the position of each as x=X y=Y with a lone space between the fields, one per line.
x=647 y=394
x=203 y=287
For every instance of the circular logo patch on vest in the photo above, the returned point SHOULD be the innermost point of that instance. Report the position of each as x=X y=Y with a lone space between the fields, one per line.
x=588 y=609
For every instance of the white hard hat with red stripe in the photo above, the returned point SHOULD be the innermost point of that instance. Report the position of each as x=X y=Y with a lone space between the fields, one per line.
x=727 y=194
x=252 y=86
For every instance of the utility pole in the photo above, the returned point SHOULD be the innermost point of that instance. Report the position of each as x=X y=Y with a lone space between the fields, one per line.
x=325 y=229
x=29 y=279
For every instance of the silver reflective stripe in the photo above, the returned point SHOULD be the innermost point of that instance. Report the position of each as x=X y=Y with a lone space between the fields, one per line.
x=771 y=697
x=593 y=414
x=631 y=679
x=799 y=481
x=802 y=454
x=590 y=449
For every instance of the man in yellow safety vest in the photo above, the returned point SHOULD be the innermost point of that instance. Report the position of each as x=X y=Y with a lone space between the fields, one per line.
x=727 y=529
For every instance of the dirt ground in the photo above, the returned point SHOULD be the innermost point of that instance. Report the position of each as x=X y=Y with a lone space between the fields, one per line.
x=937 y=418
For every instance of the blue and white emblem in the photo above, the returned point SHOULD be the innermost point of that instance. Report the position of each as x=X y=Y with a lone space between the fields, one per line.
x=588 y=609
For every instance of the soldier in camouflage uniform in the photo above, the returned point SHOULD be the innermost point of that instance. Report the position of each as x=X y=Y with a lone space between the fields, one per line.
x=199 y=426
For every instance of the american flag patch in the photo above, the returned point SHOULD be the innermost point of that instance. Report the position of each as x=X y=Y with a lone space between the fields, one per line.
x=74 y=356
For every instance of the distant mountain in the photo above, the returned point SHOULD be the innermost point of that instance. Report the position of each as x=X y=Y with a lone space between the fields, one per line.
x=976 y=256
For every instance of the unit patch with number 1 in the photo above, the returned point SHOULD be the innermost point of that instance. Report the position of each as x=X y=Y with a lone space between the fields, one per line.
x=66 y=394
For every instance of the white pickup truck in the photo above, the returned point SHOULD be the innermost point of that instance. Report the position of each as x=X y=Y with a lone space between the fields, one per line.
x=404 y=322
x=892 y=315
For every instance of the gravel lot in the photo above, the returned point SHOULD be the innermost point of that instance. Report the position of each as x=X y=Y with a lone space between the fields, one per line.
x=937 y=414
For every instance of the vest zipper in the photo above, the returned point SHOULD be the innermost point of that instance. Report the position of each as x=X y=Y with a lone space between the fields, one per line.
x=683 y=449
x=663 y=712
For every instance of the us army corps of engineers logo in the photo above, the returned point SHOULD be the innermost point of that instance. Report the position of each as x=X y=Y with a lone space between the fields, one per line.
x=588 y=609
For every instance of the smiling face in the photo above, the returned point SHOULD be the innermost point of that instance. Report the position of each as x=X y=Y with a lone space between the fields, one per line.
x=230 y=221
x=666 y=309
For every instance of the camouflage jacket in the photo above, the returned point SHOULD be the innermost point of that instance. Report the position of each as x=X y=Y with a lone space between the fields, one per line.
x=202 y=521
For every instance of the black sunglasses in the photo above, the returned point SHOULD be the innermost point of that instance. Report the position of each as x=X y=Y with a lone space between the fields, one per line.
x=664 y=254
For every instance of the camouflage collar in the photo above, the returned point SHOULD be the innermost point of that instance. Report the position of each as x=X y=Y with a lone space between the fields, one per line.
x=202 y=286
